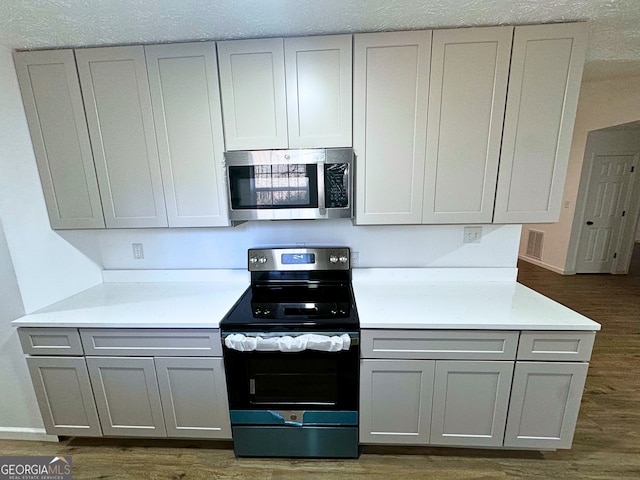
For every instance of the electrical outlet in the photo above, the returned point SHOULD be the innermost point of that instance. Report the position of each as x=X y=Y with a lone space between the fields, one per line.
x=355 y=259
x=472 y=234
x=138 y=252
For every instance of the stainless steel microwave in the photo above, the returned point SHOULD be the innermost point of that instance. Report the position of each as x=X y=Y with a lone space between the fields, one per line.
x=290 y=184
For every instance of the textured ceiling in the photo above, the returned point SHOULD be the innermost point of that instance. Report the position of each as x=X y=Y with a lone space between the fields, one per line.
x=614 y=45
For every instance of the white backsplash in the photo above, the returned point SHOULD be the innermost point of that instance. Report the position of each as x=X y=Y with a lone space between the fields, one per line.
x=376 y=246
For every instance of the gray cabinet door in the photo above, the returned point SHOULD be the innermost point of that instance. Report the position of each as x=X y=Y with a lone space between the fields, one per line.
x=252 y=86
x=470 y=403
x=319 y=86
x=194 y=397
x=544 y=82
x=183 y=79
x=53 y=105
x=64 y=396
x=545 y=400
x=118 y=106
x=127 y=396
x=390 y=96
x=395 y=401
x=467 y=95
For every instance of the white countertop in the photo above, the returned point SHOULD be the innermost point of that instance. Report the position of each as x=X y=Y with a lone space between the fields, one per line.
x=462 y=305
x=385 y=298
x=141 y=305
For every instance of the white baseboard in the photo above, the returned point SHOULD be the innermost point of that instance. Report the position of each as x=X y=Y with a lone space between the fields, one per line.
x=18 y=433
x=542 y=264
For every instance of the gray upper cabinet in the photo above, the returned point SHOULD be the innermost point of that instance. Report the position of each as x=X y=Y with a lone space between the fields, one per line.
x=391 y=87
x=443 y=167
x=467 y=94
x=252 y=84
x=55 y=114
x=546 y=72
x=286 y=93
x=185 y=94
x=319 y=92
x=118 y=107
x=469 y=125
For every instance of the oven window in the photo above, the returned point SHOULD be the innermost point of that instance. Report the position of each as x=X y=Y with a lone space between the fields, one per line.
x=279 y=380
x=274 y=186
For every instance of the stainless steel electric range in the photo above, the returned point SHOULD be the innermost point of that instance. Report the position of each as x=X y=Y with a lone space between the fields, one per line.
x=291 y=353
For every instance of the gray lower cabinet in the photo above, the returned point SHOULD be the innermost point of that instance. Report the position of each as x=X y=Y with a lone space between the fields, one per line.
x=129 y=382
x=545 y=400
x=470 y=403
x=395 y=401
x=64 y=396
x=127 y=396
x=194 y=397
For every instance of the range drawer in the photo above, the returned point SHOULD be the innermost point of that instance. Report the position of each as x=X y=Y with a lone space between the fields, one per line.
x=50 y=341
x=152 y=342
x=440 y=344
x=560 y=346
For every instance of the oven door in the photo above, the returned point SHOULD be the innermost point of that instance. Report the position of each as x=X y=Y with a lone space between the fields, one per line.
x=293 y=381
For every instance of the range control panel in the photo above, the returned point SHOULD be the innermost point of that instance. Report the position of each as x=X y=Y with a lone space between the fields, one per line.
x=303 y=259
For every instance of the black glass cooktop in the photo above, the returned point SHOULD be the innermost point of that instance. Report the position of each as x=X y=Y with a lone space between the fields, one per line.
x=293 y=308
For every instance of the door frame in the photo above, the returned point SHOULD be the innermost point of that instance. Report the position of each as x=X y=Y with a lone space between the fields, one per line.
x=630 y=141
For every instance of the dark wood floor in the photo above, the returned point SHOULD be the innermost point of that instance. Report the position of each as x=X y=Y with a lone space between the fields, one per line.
x=606 y=444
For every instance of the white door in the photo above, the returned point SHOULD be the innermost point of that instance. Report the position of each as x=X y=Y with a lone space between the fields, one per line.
x=606 y=206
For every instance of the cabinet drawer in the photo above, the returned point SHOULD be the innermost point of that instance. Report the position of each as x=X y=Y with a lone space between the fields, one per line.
x=440 y=344
x=150 y=342
x=50 y=341
x=562 y=346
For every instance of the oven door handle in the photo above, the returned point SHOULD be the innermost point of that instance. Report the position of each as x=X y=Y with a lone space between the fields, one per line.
x=355 y=337
x=287 y=343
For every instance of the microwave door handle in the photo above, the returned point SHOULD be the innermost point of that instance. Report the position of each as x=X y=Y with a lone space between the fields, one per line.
x=347 y=186
x=322 y=205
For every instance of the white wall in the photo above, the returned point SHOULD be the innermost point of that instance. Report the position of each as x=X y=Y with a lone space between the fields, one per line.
x=37 y=266
x=384 y=246
x=19 y=415
x=602 y=103
x=47 y=267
